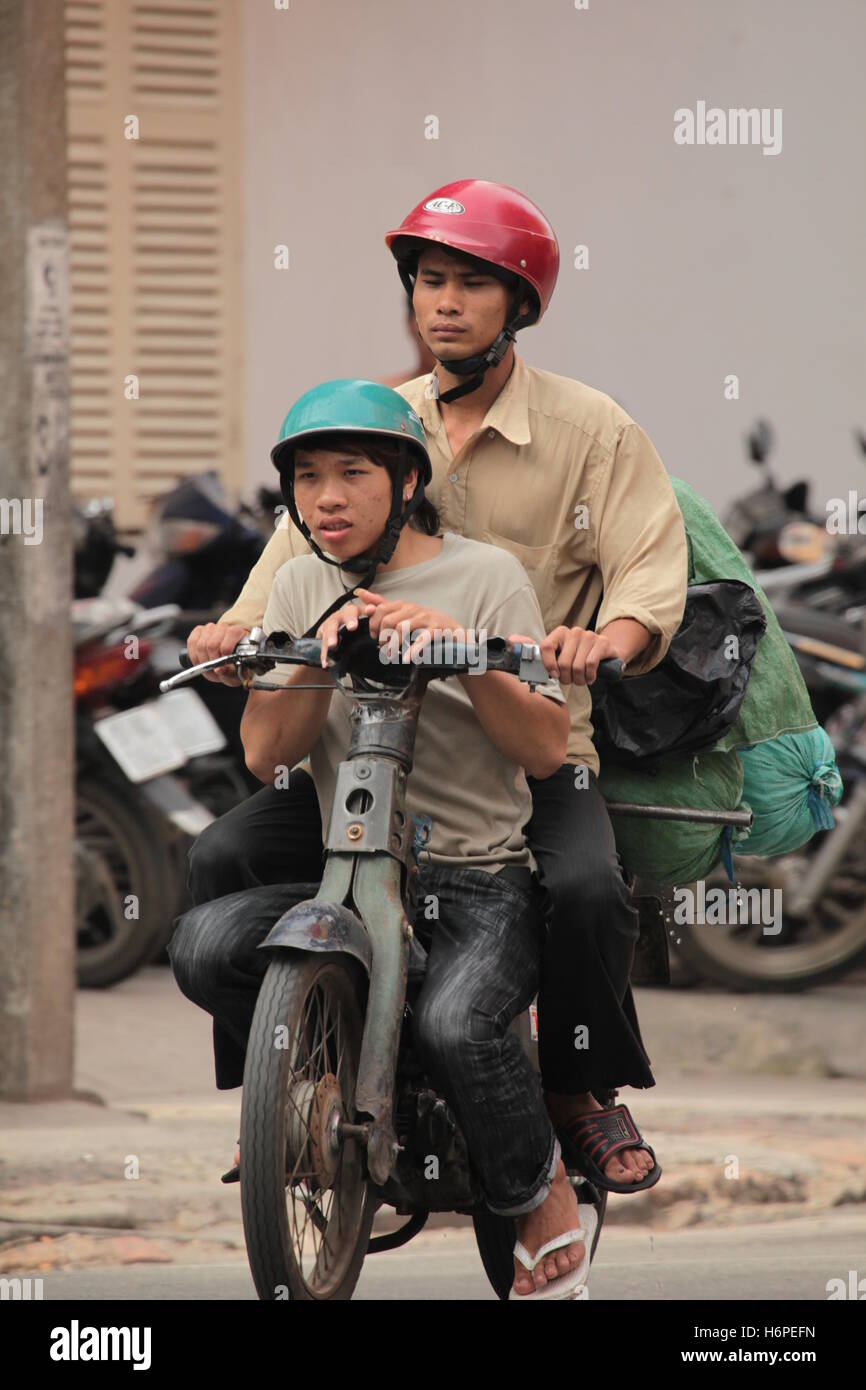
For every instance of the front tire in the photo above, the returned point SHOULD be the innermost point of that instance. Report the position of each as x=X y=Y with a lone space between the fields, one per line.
x=307 y=1208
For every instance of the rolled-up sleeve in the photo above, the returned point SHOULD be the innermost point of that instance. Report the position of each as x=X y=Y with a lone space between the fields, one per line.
x=640 y=545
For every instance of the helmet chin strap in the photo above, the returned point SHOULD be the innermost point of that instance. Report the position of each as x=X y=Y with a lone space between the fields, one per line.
x=475 y=367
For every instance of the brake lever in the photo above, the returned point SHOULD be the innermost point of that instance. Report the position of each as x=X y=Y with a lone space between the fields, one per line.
x=246 y=651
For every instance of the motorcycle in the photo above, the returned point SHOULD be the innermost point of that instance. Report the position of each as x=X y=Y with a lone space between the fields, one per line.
x=205 y=553
x=202 y=558
x=340 y=1117
x=96 y=546
x=135 y=817
x=804 y=562
x=771 y=526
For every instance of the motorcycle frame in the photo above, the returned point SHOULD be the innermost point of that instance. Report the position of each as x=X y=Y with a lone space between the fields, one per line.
x=359 y=909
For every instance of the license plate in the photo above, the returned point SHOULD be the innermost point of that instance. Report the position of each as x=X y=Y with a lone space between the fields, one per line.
x=141 y=742
x=161 y=735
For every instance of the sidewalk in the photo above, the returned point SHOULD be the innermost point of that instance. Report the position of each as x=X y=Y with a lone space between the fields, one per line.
x=758 y=1112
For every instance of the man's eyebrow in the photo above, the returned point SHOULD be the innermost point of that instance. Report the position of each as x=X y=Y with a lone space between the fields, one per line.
x=461 y=270
x=340 y=458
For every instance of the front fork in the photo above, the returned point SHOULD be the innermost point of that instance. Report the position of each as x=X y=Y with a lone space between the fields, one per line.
x=376 y=895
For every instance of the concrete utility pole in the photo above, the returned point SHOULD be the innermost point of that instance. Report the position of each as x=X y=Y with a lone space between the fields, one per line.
x=37 y=755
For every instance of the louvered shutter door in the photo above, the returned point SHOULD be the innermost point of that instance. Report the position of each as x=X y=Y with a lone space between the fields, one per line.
x=155 y=246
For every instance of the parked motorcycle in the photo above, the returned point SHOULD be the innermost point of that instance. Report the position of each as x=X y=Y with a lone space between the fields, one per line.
x=757 y=522
x=134 y=814
x=205 y=551
x=203 y=555
x=340 y=1118
x=795 y=555
x=96 y=546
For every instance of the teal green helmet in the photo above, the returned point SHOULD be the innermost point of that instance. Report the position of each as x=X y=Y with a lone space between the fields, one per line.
x=361 y=409
x=351 y=406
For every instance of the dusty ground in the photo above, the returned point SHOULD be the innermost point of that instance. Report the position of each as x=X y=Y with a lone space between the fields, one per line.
x=758 y=1116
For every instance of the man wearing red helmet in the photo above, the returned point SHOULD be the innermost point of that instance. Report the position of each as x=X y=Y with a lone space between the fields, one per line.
x=559 y=475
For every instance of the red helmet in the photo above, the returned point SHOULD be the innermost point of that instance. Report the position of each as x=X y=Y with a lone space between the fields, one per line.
x=492 y=222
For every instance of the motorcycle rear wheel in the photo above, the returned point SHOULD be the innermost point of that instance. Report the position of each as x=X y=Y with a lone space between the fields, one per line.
x=306 y=1204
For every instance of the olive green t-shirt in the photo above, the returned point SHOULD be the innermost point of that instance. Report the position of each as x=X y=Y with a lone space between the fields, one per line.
x=476 y=797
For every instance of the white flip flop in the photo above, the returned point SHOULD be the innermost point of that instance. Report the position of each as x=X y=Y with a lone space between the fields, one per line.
x=567 y=1286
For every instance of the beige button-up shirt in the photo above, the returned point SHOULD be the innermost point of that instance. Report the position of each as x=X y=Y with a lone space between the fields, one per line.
x=562 y=478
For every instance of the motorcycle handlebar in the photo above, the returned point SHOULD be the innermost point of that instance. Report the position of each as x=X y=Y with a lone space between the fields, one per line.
x=260 y=654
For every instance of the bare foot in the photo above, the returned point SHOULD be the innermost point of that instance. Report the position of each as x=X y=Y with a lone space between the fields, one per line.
x=628 y=1165
x=557 y=1214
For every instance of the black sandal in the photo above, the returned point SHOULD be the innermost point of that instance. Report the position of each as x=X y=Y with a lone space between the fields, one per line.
x=590 y=1140
x=234 y=1173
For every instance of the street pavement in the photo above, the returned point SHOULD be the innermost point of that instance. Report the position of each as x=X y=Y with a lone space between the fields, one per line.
x=763 y=1262
x=757 y=1118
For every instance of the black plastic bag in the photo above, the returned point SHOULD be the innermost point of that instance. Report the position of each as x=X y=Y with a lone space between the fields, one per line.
x=687 y=702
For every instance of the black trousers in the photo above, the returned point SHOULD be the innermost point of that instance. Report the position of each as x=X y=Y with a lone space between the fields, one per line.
x=589 y=1038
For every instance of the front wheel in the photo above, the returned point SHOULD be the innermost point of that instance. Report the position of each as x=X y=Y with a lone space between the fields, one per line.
x=307 y=1208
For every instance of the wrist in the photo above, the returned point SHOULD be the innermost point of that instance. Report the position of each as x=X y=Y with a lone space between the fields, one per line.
x=627 y=636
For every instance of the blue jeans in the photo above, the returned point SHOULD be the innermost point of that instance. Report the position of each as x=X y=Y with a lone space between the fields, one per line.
x=485 y=944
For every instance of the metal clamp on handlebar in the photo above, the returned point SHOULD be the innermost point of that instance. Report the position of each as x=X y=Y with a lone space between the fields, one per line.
x=532 y=669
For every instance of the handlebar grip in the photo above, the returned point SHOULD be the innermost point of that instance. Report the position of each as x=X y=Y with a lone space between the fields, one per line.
x=612 y=668
x=184 y=660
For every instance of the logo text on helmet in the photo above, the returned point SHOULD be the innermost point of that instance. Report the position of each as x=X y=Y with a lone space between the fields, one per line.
x=449 y=205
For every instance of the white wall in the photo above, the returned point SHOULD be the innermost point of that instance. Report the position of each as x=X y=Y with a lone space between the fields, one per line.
x=703 y=260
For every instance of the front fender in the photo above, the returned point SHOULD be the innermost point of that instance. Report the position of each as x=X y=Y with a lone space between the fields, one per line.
x=321 y=927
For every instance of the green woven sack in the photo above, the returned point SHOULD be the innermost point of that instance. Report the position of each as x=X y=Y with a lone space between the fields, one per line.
x=776 y=700
x=776 y=704
x=790 y=775
x=673 y=851
x=790 y=782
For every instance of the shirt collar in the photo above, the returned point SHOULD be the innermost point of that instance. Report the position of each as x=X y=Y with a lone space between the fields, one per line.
x=508 y=414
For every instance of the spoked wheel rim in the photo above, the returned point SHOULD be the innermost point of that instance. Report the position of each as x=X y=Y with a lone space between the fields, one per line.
x=325 y=1181
x=307 y=1206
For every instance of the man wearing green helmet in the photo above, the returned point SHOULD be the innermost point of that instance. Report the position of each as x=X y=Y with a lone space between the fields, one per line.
x=557 y=474
x=353 y=464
